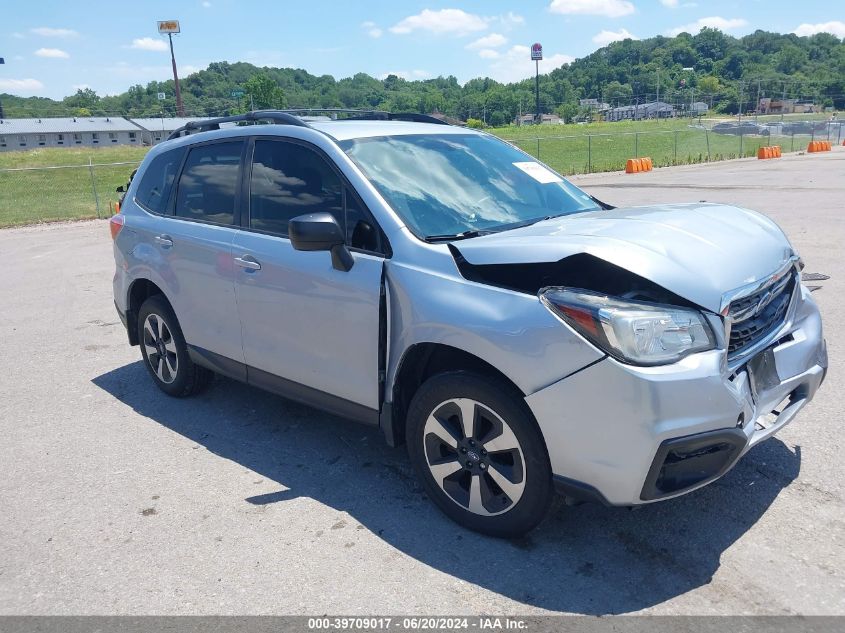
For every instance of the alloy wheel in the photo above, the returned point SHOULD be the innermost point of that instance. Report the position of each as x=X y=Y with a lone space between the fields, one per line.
x=160 y=348
x=474 y=457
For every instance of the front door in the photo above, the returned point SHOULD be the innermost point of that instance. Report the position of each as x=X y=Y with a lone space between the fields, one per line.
x=302 y=320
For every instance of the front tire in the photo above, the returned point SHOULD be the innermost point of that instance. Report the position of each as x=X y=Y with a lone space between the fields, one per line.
x=478 y=451
x=165 y=352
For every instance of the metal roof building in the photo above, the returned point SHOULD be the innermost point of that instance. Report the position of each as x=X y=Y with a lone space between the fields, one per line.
x=17 y=134
x=653 y=110
x=155 y=130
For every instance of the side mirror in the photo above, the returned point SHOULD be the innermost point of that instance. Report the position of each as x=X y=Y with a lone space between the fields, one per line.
x=320 y=232
x=121 y=189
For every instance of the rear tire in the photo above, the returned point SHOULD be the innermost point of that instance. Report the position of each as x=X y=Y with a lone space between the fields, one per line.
x=491 y=474
x=165 y=352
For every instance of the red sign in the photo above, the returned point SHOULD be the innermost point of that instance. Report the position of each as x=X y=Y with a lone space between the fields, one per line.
x=536 y=51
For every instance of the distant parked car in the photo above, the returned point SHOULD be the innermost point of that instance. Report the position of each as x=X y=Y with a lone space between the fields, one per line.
x=811 y=127
x=439 y=284
x=745 y=128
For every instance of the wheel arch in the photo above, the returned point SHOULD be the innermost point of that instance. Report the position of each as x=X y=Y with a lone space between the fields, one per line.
x=139 y=291
x=420 y=362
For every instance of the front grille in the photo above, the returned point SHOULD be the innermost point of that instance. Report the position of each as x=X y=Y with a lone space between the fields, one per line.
x=752 y=323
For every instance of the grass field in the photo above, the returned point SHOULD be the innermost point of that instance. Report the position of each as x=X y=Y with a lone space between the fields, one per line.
x=577 y=149
x=45 y=185
x=50 y=184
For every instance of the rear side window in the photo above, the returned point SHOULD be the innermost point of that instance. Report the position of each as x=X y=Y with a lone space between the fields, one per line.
x=157 y=181
x=288 y=180
x=209 y=182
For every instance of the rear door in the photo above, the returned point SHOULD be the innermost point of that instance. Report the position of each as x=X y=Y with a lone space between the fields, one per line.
x=303 y=320
x=196 y=240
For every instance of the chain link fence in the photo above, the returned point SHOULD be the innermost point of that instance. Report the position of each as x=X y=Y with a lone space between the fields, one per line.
x=61 y=192
x=586 y=153
x=64 y=192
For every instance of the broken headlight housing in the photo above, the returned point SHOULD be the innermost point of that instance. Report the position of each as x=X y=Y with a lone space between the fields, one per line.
x=635 y=332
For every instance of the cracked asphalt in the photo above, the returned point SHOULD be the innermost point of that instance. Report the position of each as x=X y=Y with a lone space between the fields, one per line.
x=118 y=500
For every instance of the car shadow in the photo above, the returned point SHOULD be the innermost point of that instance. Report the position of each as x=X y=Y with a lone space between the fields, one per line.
x=588 y=559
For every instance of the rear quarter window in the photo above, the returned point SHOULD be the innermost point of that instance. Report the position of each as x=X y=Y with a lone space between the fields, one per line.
x=157 y=181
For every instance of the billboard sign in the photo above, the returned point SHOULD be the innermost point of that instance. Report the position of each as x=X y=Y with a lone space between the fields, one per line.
x=168 y=26
x=536 y=52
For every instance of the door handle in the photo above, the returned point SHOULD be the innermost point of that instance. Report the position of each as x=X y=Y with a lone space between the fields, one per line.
x=164 y=240
x=248 y=262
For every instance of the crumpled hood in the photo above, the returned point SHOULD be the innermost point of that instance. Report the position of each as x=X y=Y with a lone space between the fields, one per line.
x=697 y=251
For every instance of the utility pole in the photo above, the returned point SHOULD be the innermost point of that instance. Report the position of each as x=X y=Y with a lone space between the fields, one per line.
x=179 y=107
x=2 y=116
x=169 y=27
x=657 y=96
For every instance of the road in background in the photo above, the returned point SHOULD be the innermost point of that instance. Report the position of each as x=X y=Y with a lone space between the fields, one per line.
x=119 y=500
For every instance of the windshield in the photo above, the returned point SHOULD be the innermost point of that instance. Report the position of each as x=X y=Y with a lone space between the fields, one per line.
x=457 y=185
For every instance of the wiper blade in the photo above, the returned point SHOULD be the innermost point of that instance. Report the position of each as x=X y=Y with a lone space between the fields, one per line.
x=456 y=236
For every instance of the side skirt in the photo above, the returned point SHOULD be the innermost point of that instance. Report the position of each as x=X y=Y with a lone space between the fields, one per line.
x=283 y=387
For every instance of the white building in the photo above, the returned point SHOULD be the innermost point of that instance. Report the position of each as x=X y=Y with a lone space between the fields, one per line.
x=156 y=130
x=20 y=134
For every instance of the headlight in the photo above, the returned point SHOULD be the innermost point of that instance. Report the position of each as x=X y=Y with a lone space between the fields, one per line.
x=633 y=332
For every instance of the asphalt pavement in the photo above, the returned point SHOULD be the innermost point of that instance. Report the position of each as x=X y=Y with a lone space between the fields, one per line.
x=116 y=499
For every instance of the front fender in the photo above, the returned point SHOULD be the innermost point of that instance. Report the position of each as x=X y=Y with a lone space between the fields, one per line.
x=509 y=330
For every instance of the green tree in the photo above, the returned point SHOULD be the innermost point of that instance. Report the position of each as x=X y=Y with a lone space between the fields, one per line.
x=791 y=59
x=265 y=92
x=709 y=84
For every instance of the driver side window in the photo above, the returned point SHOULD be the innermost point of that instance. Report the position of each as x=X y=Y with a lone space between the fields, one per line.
x=289 y=180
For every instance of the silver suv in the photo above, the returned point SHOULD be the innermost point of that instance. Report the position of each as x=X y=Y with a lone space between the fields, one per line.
x=517 y=334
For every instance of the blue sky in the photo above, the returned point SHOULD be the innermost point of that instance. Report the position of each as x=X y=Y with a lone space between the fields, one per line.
x=52 y=48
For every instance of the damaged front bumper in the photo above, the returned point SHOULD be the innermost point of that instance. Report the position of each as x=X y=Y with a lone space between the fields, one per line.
x=629 y=435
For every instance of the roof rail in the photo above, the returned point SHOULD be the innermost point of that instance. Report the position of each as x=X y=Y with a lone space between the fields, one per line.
x=367 y=115
x=280 y=117
x=292 y=117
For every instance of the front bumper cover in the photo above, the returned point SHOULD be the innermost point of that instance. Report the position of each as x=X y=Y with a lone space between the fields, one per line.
x=611 y=428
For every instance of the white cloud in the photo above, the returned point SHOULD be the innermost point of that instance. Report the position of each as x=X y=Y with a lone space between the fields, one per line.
x=56 y=53
x=26 y=86
x=607 y=8
x=606 y=37
x=148 y=44
x=511 y=19
x=837 y=28
x=515 y=64
x=206 y=4
x=488 y=53
x=444 y=21
x=493 y=40
x=372 y=29
x=672 y=4
x=714 y=22
x=46 y=31
x=18 y=36
x=407 y=74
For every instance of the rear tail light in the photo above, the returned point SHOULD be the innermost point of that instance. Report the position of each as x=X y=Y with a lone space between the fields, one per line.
x=115 y=224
